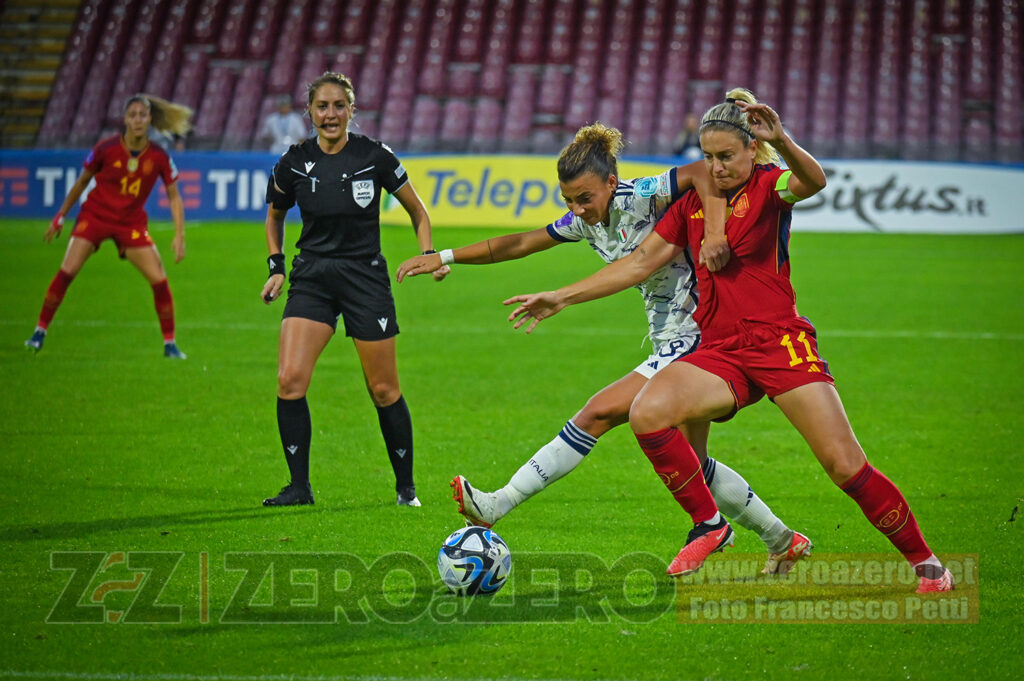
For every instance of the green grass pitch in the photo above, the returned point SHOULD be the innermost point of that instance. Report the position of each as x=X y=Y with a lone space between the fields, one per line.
x=134 y=546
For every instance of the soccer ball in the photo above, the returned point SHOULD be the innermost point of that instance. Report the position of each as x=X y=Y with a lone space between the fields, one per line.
x=474 y=560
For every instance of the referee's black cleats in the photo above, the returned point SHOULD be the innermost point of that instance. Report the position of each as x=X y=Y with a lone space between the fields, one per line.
x=292 y=494
x=407 y=496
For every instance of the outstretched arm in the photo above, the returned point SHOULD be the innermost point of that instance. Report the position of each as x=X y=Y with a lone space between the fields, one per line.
x=413 y=205
x=73 y=195
x=652 y=253
x=498 y=249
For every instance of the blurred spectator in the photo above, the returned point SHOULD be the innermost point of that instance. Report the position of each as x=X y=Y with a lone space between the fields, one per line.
x=283 y=128
x=687 y=144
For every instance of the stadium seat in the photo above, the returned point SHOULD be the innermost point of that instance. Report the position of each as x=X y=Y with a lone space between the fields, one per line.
x=980 y=40
x=948 y=107
x=167 y=55
x=426 y=117
x=562 y=28
x=207 y=22
x=242 y=122
x=530 y=38
x=825 y=100
x=710 y=47
x=887 y=81
x=739 y=33
x=486 y=124
x=856 y=97
x=327 y=17
x=346 y=62
x=213 y=107
x=314 y=63
x=498 y=50
x=469 y=35
x=90 y=117
x=917 y=96
x=1009 y=137
x=131 y=75
x=455 y=122
x=462 y=80
x=435 y=61
x=233 y=27
x=515 y=129
x=674 y=78
x=554 y=83
x=265 y=24
x=191 y=77
x=355 y=27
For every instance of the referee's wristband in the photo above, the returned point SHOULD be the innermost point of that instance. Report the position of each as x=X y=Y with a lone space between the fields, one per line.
x=276 y=264
x=447 y=256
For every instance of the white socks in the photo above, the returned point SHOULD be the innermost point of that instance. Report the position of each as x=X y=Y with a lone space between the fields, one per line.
x=738 y=502
x=551 y=462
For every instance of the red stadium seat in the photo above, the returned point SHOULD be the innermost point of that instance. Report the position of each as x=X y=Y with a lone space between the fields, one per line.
x=856 y=100
x=242 y=121
x=439 y=38
x=1009 y=137
x=207 y=22
x=554 y=85
x=462 y=80
x=455 y=123
x=498 y=50
x=191 y=77
x=426 y=118
x=327 y=17
x=515 y=130
x=167 y=55
x=825 y=104
x=347 y=63
x=355 y=27
x=674 y=78
x=887 y=83
x=562 y=27
x=314 y=63
x=131 y=75
x=530 y=38
x=469 y=36
x=710 y=46
x=916 y=90
x=948 y=107
x=213 y=109
x=231 y=38
x=486 y=125
x=980 y=40
x=266 y=23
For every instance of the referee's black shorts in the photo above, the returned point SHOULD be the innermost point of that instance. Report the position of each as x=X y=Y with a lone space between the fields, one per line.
x=358 y=290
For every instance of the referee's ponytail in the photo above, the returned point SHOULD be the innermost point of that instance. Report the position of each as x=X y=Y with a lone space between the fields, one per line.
x=595 y=149
x=728 y=117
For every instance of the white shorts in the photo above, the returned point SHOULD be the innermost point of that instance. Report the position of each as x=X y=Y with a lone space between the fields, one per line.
x=666 y=353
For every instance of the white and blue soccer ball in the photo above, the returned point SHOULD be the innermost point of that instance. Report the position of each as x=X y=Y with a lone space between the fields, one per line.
x=474 y=560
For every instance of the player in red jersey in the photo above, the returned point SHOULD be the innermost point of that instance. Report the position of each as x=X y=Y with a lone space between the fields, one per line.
x=126 y=167
x=753 y=340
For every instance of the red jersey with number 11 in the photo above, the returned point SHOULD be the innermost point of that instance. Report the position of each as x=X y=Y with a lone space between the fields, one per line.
x=755 y=284
x=124 y=180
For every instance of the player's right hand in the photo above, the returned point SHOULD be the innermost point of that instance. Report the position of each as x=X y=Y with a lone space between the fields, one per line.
x=56 y=224
x=535 y=307
x=272 y=289
x=421 y=264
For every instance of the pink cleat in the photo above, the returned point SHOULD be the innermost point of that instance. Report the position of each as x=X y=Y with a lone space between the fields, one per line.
x=702 y=541
x=943 y=583
x=782 y=563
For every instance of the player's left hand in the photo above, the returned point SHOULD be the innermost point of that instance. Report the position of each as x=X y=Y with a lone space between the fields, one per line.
x=441 y=272
x=764 y=122
x=179 y=247
x=714 y=252
x=535 y=307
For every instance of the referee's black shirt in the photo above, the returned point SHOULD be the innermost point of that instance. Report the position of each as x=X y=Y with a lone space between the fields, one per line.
x=338 y=194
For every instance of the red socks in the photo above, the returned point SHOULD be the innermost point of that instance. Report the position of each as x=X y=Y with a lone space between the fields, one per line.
x=164 y=308
x=677 y=465
x=54 y=297
x=888 y=510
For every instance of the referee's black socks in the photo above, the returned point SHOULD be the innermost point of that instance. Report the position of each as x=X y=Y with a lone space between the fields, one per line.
x=396 y=427
x=296 y=431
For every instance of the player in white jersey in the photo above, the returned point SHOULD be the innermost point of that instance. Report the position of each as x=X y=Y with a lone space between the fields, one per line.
x=614 y=217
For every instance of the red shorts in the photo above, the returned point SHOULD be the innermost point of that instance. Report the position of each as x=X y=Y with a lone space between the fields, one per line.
x=95 y=231
x=763 y=358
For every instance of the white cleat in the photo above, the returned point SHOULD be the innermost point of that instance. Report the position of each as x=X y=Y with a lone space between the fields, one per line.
x=476 y=507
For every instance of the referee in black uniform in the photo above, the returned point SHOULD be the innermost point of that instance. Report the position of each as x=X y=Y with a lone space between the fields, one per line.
x=336 y=179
